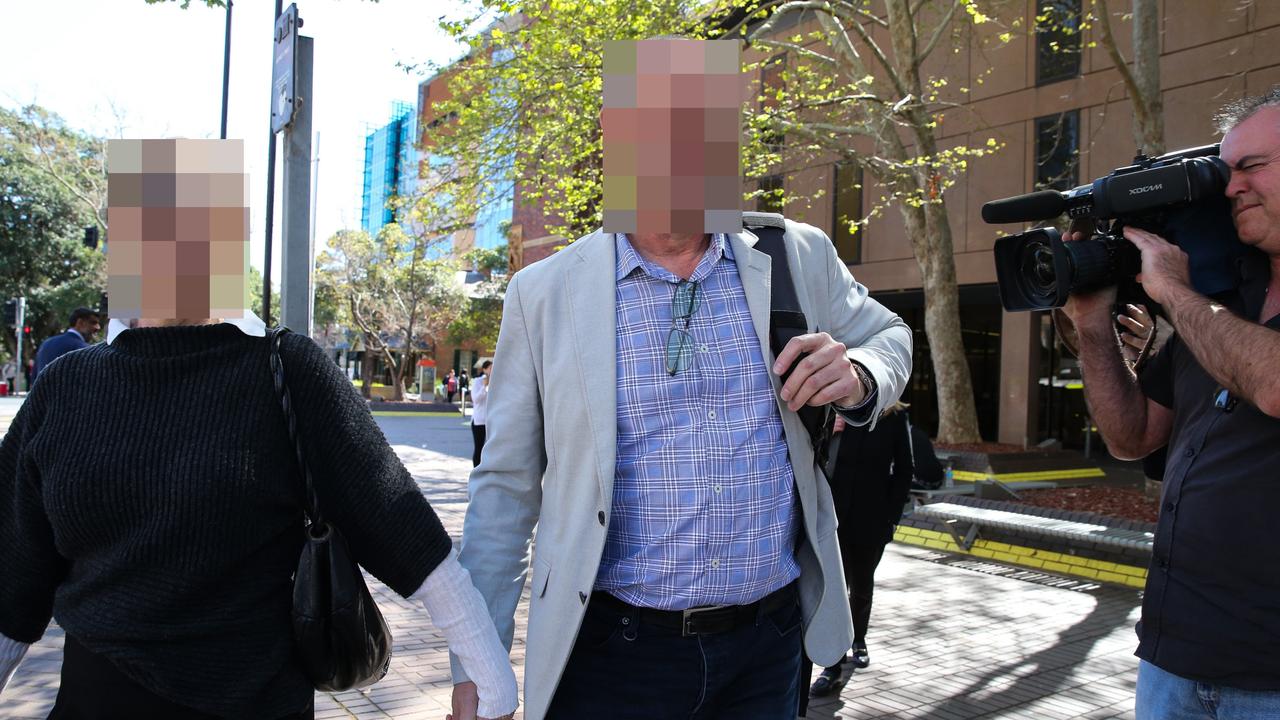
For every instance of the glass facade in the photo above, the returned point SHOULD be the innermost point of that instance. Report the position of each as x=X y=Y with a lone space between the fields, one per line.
x=1058 y=40
x=847 y=208
x=980 y=326
x=390 y=167
x=494 y=216
x=1058 y=151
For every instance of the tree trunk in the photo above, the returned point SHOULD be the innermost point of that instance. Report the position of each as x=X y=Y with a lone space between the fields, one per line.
x=366 y=370
x=1148 y=119
x=403 y=372
x=393 y=369
x=957 y=414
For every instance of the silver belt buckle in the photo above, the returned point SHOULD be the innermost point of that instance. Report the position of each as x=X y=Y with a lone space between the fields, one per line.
x=686 y=618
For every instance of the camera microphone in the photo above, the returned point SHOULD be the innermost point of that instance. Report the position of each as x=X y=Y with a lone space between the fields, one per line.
x=1025 y=208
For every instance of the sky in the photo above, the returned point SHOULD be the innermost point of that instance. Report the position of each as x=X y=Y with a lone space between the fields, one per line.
x=122 y=68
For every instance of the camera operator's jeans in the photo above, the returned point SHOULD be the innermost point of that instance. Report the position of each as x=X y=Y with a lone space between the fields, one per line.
x=1165 y=696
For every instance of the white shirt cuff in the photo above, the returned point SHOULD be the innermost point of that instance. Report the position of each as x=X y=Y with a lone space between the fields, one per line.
x=11 y=654
x=461 y=613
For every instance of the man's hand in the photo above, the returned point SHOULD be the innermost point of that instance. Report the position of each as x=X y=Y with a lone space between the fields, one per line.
x=1164 y=265
x=465 y=701
x=824 y=377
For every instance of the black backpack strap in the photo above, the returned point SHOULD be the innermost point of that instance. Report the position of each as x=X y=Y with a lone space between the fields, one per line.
x=787 y=320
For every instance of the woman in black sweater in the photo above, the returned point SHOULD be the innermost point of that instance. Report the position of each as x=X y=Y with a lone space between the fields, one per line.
x=150 y=502
x=869 y=487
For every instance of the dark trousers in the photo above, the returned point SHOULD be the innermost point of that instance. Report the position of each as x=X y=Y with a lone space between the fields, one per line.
x=477 y=436
x=860 y=562
x=624 y=669
x=93 y=689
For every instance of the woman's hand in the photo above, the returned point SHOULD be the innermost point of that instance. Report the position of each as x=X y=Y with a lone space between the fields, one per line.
x=1137 y=326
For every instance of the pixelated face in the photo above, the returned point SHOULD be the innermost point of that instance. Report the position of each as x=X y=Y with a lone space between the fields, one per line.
x=672 y=130
x=178 y=219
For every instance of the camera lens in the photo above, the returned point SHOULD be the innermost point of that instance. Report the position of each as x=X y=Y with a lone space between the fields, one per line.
x=1092 y=263
x=1043 y=268
x=1037 y=277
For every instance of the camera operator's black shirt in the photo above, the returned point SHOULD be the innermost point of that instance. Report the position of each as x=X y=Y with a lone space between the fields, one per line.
x=1211 y=611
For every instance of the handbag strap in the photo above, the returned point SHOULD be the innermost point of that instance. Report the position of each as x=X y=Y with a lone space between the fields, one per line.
x=310 y=505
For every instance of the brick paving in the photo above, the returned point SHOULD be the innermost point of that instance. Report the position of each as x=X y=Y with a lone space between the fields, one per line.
x=952 y=637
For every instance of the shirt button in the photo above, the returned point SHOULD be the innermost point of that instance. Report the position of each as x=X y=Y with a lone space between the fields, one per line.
x=718 y=487
x=600 y=517
x=1190 y=452
x=712 y=414
x=704 y=348
x=715 y=563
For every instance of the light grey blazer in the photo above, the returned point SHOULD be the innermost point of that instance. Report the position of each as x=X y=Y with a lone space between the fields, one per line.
x=552 y=435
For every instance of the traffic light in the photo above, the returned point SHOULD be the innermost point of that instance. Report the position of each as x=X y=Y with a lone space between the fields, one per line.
x=91 y=237
x=11 y=312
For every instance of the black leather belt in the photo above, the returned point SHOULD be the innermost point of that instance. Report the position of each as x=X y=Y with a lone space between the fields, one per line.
x=702 y=620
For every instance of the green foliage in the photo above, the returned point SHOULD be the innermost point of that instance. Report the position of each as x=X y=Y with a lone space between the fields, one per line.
x=388 y=290
x=253 y=296
x=859 y=75
x=478 y=325
x=52 y=186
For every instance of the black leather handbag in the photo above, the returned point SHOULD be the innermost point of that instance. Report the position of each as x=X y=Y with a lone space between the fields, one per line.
x=341 y=638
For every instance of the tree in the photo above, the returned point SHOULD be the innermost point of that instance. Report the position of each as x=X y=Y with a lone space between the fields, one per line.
x=479 y=324
x=392 y=293
x=253 y=294
x=862 y=76
x=1142 y=80
x=52 y=186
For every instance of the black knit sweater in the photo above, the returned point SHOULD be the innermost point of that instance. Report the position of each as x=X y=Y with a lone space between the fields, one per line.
x=149 y=501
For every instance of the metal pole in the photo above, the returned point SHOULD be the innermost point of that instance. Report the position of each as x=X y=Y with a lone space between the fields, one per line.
x=20 y=378
x=295 y=230
x=271 y=204
x=226 y=71
x=311 y=240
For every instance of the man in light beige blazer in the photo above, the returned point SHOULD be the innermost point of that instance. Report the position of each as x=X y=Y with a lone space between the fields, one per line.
x=553 y=459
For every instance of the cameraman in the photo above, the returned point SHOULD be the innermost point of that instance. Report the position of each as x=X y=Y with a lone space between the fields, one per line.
x=1210 y=628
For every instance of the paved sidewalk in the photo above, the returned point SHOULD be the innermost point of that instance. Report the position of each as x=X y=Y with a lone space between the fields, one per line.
x=9 y=407
x=951 y=637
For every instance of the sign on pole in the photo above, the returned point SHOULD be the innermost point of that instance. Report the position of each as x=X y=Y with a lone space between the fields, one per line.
x=283 y=67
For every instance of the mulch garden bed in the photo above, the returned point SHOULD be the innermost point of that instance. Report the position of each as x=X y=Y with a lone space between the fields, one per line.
x=1115 y=502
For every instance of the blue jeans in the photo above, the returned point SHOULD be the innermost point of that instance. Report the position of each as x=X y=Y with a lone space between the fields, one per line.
x=1165 y=696
x=623 y=669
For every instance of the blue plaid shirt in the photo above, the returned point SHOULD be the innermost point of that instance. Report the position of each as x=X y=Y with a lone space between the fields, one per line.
x=703 y=493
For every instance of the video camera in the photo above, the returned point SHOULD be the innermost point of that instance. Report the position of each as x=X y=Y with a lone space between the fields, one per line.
x=1179 y=196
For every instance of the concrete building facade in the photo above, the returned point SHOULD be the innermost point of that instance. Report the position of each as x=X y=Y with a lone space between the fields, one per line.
x=1062 y=122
